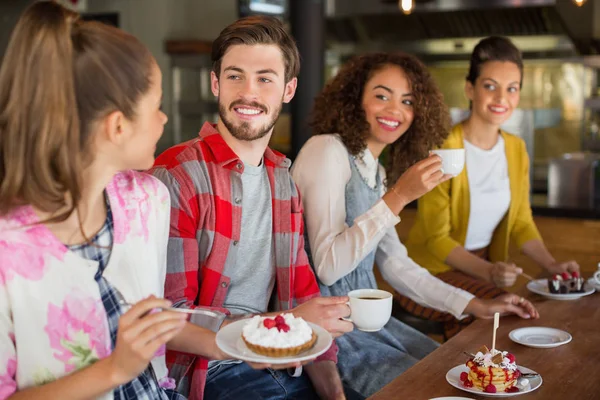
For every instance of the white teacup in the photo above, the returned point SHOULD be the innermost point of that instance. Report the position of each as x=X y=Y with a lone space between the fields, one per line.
x=453 y=160
x=371 y=309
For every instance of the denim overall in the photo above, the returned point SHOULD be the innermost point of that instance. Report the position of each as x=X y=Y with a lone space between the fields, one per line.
x=369 y=360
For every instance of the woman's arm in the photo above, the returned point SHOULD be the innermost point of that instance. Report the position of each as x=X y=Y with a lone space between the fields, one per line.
x=410 y=279
x=140 y=334
x=537 y=251
x=87 y=383
x=462 y=260
x=321 y=172
x=525 y=232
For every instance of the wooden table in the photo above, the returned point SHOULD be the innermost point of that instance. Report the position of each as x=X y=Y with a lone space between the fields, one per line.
x=570 y=371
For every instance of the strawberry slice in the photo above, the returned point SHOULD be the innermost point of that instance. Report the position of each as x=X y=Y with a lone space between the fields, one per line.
x=566 y=276
x=283 y=327
x=279 y=319
x=510 y=357
x=463 y=376
x=269 y=323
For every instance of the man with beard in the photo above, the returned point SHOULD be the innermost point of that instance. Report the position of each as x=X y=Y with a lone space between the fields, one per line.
x=236 y=239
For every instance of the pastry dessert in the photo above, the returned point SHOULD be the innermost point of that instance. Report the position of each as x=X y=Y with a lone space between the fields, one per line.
x=282 y=336
x=491 y=371
x=566 y=283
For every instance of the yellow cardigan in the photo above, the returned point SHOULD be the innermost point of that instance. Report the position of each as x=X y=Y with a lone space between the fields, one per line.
x=443 y=214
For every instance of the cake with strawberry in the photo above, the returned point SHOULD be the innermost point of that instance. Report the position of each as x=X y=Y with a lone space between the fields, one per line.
x=281 y=336
x=566 y=283
x=491 y=371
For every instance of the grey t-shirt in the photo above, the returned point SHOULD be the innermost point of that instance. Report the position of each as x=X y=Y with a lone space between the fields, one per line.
x=253 y=277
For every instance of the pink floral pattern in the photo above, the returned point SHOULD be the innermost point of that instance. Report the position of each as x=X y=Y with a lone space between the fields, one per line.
x=8 y=386
x=77 y=331
x=132 y=203
x=23 y=248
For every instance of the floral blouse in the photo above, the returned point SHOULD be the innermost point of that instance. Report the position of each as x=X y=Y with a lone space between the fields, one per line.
x=52 y=320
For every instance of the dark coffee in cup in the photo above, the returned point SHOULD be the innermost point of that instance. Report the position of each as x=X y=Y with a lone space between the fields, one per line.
x=370 y=298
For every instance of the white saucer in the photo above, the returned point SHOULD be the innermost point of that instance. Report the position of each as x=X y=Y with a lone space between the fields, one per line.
x=540 y=337
x=453 y=378
x=229 y=340
x=592 y=282
x=540 y=286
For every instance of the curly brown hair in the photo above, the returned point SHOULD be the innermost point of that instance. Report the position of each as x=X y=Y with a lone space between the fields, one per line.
x=338 y=109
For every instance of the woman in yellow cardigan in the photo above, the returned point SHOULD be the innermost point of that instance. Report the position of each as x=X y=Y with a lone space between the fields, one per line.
x=464 y=225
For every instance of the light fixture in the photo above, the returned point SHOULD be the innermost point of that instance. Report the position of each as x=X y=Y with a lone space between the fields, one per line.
x=407 y=6
x=579 y=3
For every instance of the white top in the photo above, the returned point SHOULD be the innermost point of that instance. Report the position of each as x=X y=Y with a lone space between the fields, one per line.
x=321 y=172
x=489 y=187
x=52 y=320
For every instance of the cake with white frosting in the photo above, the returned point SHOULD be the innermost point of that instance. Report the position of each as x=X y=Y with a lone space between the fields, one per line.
x=281 y=336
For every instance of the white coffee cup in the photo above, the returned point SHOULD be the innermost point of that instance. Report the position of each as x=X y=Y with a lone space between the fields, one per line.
x=453 y=160
x=371 y=309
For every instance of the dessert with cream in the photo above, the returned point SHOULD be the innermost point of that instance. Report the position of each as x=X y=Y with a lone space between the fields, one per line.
x=281 y=336
x=491 y=371
x=566 y=283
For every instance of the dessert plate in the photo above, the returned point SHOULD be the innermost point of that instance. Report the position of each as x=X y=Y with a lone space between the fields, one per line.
x=540 y=337
x=452 y=398
x=453 y=378
x=229 y=340
x=540 y=286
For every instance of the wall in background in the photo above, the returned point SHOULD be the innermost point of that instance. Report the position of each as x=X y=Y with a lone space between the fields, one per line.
x=9 y=14
x=154 y=21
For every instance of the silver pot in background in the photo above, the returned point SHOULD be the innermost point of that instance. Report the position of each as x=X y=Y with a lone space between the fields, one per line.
x=574 y=181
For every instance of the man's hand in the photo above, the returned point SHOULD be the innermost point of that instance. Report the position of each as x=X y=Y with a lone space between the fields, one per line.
x=508 y=303
x=326 y=380
x=327 y=313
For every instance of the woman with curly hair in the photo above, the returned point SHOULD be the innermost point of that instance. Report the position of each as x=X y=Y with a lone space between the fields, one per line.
x=463 y=226
x=377 y=101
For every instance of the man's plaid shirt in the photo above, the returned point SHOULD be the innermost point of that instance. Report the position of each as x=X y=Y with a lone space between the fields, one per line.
x=204 y=179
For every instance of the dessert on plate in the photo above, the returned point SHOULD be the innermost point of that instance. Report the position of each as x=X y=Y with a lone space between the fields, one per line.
x=491 y=371
x=281 y=336
x=566 y=283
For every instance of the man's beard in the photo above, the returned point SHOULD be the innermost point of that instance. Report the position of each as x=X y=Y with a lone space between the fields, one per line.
x=244 y=130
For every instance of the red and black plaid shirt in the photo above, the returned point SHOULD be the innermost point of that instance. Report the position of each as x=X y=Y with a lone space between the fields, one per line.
x=204 y=179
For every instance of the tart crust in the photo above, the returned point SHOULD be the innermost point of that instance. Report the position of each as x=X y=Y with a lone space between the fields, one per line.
x=281 y=352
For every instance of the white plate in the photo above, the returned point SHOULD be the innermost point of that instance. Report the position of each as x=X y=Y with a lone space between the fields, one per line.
x=540 y=286
x=229 y=340
x=452 y=398
x=592 y=282
x=540 y=337
x=453 y=378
